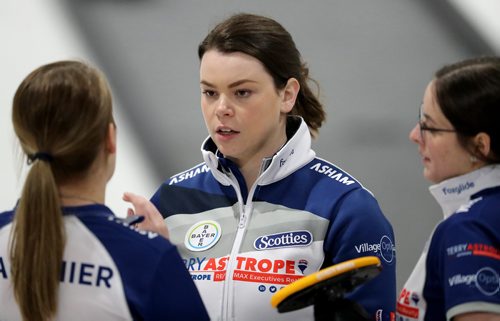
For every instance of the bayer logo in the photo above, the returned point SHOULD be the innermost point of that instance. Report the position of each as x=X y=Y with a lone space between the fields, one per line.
x=202 y=235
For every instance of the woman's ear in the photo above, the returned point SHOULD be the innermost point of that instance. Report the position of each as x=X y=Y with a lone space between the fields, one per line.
x=290 y=93
x=482 y=141
x=111 y=139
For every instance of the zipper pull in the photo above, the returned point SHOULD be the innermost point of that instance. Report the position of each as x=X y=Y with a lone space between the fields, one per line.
x=243 y=220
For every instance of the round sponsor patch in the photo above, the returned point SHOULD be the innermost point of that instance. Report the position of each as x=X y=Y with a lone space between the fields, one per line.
x=488 y=281
x=386 y=249
x=202 y=236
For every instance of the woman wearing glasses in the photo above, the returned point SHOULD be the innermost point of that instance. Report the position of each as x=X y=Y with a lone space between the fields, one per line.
x=458 y=137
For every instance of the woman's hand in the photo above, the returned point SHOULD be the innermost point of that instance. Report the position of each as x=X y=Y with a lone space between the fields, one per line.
x=153 y=221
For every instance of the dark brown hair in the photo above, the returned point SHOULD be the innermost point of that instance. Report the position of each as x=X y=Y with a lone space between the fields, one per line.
x=266 y=40
x=468 y=93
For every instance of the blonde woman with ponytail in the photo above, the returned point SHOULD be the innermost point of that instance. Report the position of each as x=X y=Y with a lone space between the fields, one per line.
x=63 y=254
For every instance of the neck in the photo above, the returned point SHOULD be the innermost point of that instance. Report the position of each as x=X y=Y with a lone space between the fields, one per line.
x=252 y=167
x=73 y=200
x=90 y=190
x=90 y=187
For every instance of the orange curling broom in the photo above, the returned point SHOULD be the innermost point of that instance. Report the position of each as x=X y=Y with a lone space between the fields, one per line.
x=325 y=289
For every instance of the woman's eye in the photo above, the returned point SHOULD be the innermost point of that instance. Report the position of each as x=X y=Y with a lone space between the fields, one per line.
x=424 y=126
x=209 y=93
x=431 y=130
x=243 y=93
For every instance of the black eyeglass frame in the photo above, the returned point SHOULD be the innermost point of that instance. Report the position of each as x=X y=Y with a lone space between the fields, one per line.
x=424 y=128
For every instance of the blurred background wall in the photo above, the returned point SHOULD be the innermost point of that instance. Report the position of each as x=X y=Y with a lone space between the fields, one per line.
x=372 y=60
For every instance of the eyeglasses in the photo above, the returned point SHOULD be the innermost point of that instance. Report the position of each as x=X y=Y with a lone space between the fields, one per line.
x=423 y=127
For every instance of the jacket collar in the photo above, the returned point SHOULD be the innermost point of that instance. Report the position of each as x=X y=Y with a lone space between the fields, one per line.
x=294 y=154
x=455 y=193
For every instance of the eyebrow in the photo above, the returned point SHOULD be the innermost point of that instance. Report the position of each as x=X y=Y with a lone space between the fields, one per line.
x=232 y=85
x=426 y=116
x=429 y=119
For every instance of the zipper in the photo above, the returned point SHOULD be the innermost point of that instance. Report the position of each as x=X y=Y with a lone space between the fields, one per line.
x=228 y=292
x=228 y=310
x=243 y=220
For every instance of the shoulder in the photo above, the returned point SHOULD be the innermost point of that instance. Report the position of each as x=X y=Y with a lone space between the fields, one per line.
x=197 y=183
x=350 y=205
x=119 y=237
x=131 y=250
x=476 y=221
x=6 y=218
x=334 y=180
x=188 y=175
x=481 y=210
x=485 y=204
x=333 y=189
x=330 y=173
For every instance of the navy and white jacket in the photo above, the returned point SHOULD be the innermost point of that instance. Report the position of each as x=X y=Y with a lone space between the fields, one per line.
x=110 y=271
x=302 y=214
x=459 y=270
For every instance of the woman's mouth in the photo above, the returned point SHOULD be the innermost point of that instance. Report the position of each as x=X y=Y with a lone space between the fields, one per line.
x=225 y=131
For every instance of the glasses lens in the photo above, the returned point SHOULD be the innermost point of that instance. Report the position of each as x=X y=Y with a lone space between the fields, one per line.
x=422 y=133
x=420 y=114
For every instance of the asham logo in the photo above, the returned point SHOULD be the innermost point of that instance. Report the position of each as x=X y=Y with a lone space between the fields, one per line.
x=286 y=239
x=385 y=248
x=458 y=189
x=202 y=236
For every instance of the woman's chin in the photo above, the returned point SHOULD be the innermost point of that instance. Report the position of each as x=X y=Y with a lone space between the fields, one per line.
x=428 y=175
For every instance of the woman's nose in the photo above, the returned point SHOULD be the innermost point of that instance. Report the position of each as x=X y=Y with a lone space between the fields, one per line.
x=224 y=107
x=415 y=135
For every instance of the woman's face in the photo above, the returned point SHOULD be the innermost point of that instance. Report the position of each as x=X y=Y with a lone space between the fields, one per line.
x=244 y=112
x=442 y=155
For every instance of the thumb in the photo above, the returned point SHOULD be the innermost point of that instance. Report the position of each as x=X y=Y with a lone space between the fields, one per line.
x=128 y=196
